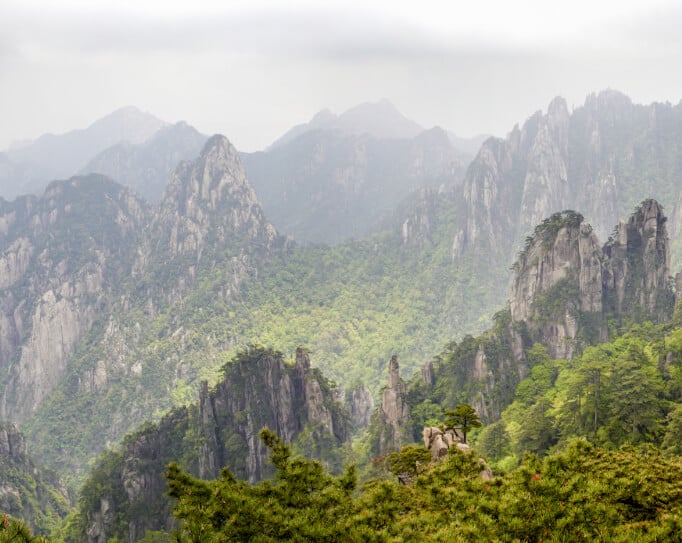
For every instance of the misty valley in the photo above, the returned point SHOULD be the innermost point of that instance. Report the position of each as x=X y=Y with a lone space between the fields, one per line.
x=368 y=331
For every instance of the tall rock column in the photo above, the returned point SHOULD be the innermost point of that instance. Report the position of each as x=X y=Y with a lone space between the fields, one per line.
x=393 y=415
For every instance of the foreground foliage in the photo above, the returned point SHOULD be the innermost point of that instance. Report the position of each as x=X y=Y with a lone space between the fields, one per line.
x=581 y=494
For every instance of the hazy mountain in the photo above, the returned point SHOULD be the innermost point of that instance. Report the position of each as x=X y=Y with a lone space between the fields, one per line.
x=603 y=158
x=29 y=492
x=89 y=275
x=379 y=119
x=58 y=156
x=327 y=186
x=468 y=145
x=147 y=167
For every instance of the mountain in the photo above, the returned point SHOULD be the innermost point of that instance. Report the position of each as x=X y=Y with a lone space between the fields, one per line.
x=59 y=156
x=378 y=119
x=602 y=158
x=29 y=492
x=147 y=166
x=568 y=293
x=107 y=344
x=259 y=389
x=64 y=259
x=325 y=186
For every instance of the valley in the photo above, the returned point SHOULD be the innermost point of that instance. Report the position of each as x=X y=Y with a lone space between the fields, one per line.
x=146 y=322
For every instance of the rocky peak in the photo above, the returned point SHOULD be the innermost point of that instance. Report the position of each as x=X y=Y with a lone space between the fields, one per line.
x=262 y=390
x=558 y=276
x=566 y=286
x=211 y=196
x=393 y=415
x=209 y=214
x=639 y=258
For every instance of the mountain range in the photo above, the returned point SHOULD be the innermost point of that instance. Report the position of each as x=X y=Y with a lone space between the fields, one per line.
x=119 y=304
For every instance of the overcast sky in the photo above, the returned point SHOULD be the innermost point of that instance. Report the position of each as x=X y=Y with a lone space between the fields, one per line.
x=252 y=69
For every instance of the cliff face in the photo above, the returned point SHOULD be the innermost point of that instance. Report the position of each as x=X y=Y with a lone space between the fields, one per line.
x=558 y=280
x=639 y=270
x=325 y=186
x=61 y=261
x=566 y=286
x=259 y=389
x=391 y=421
x=209 y=211
x=602 y=158
x=27 y=491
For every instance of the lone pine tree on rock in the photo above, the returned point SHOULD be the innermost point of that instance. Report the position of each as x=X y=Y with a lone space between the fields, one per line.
x=463 y=417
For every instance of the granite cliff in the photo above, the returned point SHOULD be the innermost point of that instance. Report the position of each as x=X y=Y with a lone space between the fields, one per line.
x=568 y=292
x=602 y=158
x=259 y=389
x=63 y=259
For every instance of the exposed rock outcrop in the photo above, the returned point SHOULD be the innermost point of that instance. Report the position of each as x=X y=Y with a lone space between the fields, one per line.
x=62 y=257
x=602 y=158
x=639 y=256
x=559 y=278
x=443 y=442
x=259 y=390
x=392 y=418
x=566 y=287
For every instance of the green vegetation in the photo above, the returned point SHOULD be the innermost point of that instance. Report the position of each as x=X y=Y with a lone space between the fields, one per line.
x=581 y=494
x=463 y=417
x=353 y=305
x=548 y=229
x=628 y=390
x=29 y=491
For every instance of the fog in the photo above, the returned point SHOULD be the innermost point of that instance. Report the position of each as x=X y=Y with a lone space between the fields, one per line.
x=251 y=70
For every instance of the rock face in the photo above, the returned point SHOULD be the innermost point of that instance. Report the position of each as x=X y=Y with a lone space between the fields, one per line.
x=639 y=258
x=325 y=186
x=259 y=389
x=566 y=287
x=558 y=278
x=392 y=417
x=602 y=158
x=27 y=491
x=62 y=257
x=146 y=167
x=360 y=405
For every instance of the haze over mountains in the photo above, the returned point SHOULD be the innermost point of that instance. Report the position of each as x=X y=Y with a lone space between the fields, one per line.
x=125 y=287
x=30 y=166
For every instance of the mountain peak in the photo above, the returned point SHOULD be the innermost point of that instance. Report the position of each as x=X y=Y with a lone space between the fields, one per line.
x=379 y=119
x=218 y=146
